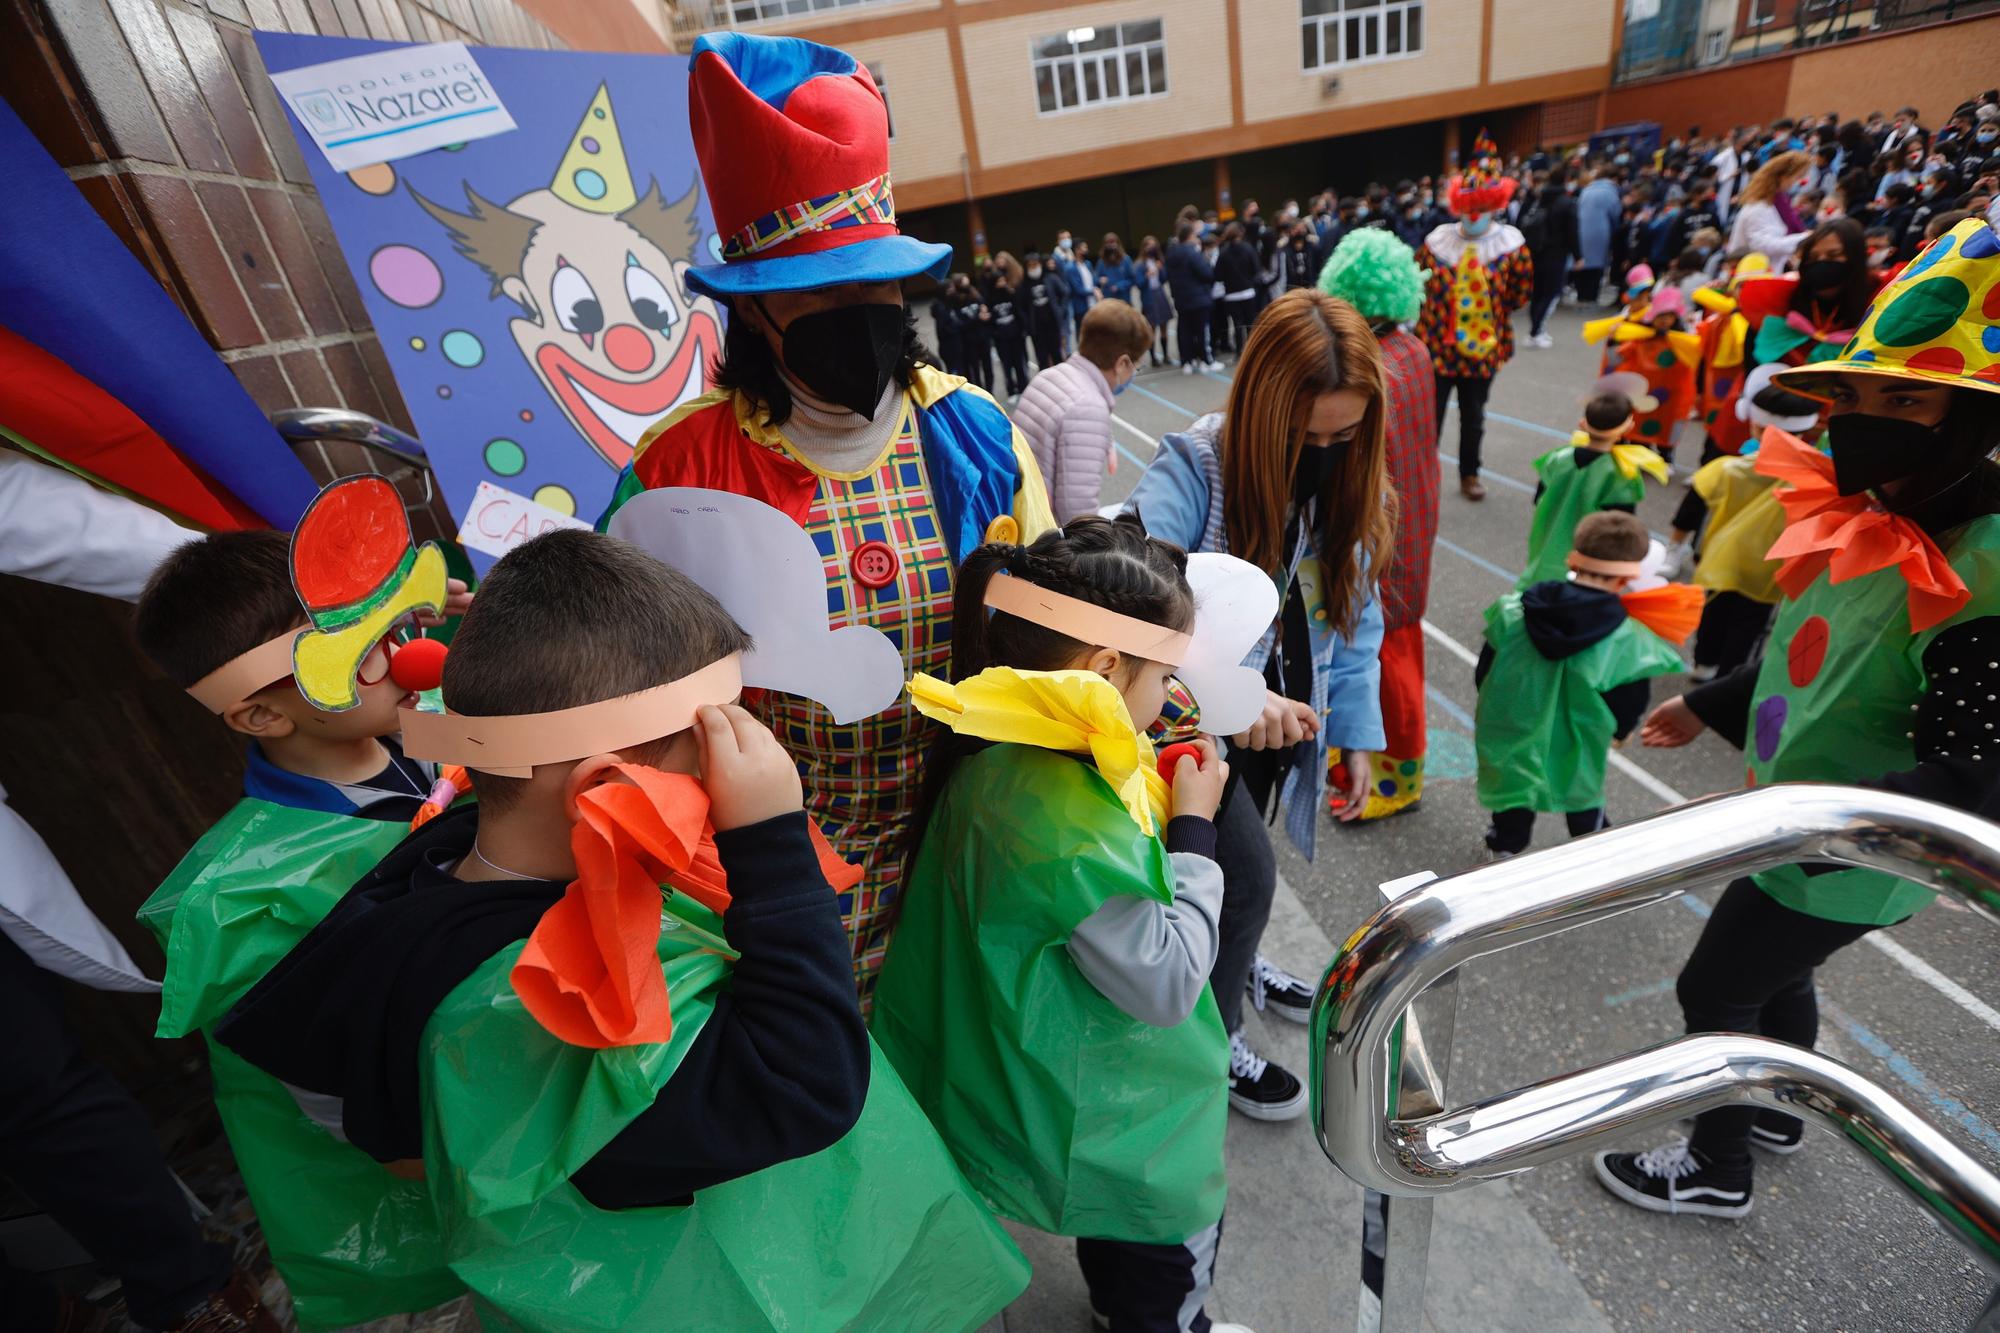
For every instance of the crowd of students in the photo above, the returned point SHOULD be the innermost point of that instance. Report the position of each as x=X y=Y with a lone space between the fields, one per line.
x=615 y=995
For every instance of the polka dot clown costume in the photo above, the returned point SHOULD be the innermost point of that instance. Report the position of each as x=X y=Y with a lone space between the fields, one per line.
x=1479 y=273
x=1665 y=357
x=896 y=491
x=1882 y=668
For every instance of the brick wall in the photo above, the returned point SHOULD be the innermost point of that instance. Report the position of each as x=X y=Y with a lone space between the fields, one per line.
x=163 y=115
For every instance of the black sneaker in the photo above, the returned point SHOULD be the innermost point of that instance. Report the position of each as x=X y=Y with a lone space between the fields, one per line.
x=1781 y=1134
x=1274 y=990
x=1673 y=1179
x=1260 y=1089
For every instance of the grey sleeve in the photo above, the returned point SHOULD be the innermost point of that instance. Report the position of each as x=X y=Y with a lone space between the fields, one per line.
x=1153 y=959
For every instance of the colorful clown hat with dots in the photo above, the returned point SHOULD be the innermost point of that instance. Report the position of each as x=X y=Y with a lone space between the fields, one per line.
x=1480 y=188
x=1938 y=322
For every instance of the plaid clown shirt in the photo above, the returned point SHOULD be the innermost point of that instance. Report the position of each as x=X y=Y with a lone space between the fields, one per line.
x=1409 y=434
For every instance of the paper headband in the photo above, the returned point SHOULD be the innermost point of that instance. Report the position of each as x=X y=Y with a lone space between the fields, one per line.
x=244 y=675
x=1610 y=569
x=511 y=746
x=1086 y=622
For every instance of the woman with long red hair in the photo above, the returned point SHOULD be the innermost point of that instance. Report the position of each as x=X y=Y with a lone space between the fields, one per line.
x=1291 y=477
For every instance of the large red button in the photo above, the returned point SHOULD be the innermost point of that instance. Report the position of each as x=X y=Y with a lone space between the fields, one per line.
x=1806 y=653
x=874 y=565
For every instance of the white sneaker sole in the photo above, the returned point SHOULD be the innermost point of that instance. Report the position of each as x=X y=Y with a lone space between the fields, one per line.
x=1271 y=1007
x=1256 y=1110
x=1775 y=1149
x=1676 y=1206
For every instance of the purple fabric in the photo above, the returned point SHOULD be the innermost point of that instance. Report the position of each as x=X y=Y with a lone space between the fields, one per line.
x=1788 y=213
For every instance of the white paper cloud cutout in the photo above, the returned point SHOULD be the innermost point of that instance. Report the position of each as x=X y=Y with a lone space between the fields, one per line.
x=1234 y=604
x=764 y=569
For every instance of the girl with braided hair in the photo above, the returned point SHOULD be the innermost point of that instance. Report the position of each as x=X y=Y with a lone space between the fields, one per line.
x=1045 y=996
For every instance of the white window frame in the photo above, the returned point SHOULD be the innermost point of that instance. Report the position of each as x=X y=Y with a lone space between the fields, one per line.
x=756 y=13
x=1716 y=48
x=876 y=73
x=1360 y=18
x=1101 y=65
x=1761 y=17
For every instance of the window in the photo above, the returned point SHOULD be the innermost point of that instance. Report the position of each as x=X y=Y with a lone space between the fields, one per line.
x=1124 y=62
x=744 y=13
x=1762 y=12
x=1358 y=32
x=1717 y=48
x=882 y=87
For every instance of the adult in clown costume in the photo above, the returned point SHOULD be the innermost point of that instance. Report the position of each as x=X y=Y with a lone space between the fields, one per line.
x=829 y=409
x=1377 y=274
x=1480 y=274
x=1883 y=678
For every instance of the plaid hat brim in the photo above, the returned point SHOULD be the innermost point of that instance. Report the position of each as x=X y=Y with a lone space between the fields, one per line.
x=883 y=259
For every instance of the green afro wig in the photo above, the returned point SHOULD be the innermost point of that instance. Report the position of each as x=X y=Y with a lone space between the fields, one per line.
x=1376 y=273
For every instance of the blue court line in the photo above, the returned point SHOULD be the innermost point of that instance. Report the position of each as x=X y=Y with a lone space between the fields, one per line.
x=1645 y=992
x=1512 y=576
x=1136 y=461
x=1457 y=714
x=1535 y=426
x=1490 y=475
x=1164 y=401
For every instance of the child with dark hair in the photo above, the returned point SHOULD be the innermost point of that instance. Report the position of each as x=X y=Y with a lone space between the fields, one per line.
x=1595 y=471
x=1562 y=675
x=607 y=1013
x=228 y=599
x=1046 y=995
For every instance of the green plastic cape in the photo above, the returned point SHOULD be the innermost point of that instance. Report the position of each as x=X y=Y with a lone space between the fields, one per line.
x=1834 y=700
x=1569 y=493
x=1065 y=1112
x=352 y=1241
x=1543 y=730
x=877 y=1232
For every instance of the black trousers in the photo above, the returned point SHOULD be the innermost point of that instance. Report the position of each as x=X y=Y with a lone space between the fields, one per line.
x=1048 y=347
x=1513 y=830
x=1014 y=360
x=1191 y=334
x=78 y=1144
x=1550 y=270
x=1242 y=314
x=978 y=357
x=1151 y=1288
x=1249 y=883
x=1472 y=391
x=1752 y=971
x=1588 y=282
x=1731 y=627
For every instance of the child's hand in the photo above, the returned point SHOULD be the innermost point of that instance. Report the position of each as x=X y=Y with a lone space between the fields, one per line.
x=1198 y=781
x=748 y=775
x=457 y=601
x=1672 y=724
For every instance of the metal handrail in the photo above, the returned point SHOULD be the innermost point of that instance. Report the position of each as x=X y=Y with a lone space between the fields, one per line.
x=1386 y=1127
x=302 y=425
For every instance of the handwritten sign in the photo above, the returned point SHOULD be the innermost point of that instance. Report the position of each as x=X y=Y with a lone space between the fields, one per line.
x=394 y=103
x=498 y=520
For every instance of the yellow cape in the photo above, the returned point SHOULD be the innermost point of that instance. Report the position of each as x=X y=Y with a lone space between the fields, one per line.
x=1632 y=459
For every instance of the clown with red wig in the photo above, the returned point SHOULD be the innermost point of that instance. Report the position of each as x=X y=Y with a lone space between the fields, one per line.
x=1480 y=274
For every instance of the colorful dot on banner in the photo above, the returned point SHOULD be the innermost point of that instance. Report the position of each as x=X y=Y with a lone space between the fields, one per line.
x=1990 y=307
x=1989 y=337
x=589 y=184
x=597 y=113
x=557 y=498
x=406 y=275
x=1770 y=726
x=462 y=348
x=1806 y=653
x=589 y=144
x=1943 y=360
x=418 y=344
x=1922 y=313
x=444 y=391
x=1386 y=787
x=1649 y=427
x=1929 y=255
x=526 y=415
x=376 y=178
x=1863 y=355
x=505 y=458
x=1408 y=768
x=1982 y=244
x=1664 y=359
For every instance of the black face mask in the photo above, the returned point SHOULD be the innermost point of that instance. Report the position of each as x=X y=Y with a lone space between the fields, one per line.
x=1317 y=467
x=845 y=355
x=1868 y=450
x=1824 y=274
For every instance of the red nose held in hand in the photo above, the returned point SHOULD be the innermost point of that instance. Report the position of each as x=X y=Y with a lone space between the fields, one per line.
x=1170 y=758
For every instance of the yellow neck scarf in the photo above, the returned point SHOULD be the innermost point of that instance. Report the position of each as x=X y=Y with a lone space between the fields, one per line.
x=1632 y=459
x=1076 y=712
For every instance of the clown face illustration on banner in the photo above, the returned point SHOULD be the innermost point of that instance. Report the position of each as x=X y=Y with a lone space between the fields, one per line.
x=527 y=288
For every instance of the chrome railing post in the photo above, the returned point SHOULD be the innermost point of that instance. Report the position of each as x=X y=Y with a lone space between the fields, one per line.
x=1385 y=1126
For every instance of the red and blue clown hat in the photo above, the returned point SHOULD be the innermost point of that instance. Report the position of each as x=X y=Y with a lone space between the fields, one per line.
x=793 y=140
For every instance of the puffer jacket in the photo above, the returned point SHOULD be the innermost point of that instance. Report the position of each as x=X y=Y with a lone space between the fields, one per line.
x=1065 y=413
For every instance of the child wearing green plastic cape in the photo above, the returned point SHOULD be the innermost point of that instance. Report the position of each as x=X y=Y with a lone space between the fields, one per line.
x=325 y=796
x=1563 y=673
x=1880 y=672
x=1595 y=471
x=1046 y=994
x=607 y=1012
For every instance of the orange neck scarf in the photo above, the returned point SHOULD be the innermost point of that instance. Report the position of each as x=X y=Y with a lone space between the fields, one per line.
x=590 y=973
x=1850 y=535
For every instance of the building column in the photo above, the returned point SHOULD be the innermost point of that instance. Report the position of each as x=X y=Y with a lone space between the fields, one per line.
x=1225 y=201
